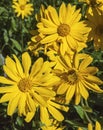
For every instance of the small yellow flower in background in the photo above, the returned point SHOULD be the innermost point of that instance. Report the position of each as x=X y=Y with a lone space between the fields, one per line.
x=90 y=126
x=95 y=21
x=26 y=85
x=64 y=28
x=23 y=8
x=93 y=5
x=77 y=77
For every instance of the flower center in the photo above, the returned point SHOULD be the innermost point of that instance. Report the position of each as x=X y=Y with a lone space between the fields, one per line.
x=99 y=30
x=71 y=76
x=63 y=30
x=25 y=85
x=22 y=7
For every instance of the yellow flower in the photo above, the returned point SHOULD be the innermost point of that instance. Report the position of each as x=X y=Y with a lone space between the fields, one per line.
x=76 y=77
x=95 y=21
x=64 y=28
x=26 y=85
x=90 y=126
x=23 y=8
x=93 y=5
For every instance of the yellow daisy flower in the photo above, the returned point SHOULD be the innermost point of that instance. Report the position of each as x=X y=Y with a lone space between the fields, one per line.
x=64 y=28
x=93 y=5
x=23 y=8
x=76 y=77
x=26 y=85
x=90 y=126
x=95 y=21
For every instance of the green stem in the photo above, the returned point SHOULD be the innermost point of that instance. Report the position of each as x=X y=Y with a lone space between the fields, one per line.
x=22 y=39
x=85 y=113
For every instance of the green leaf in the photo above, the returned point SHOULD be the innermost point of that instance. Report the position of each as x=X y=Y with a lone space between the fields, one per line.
x=16 y=44
x=80 y=111
x=2 y=10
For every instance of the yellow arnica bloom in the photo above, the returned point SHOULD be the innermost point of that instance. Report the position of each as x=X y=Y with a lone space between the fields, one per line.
x=95 y=21
x=26 y=85
x=64 y=27
x=90 y=126
x=93 y=5
x=76 y=77
x=23 y=8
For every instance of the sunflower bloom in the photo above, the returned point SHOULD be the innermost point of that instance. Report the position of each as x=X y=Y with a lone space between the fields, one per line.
x=24 y=90
x=64 y=28
x=77 y=77
x=90 y=126
x=23 y=8
x=93 y=5
x=96 y=33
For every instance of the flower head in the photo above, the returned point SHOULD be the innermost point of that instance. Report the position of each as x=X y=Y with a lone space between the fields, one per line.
x=64 y=28
x=93 y=5
x=26 y=85
x=76 y=77
x=23 y=8
x=95 y=21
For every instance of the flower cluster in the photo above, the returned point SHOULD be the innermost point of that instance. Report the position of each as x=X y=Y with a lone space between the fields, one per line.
x=67 y=76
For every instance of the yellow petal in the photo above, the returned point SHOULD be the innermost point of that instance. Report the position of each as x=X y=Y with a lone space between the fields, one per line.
x=7 y=97
x=85 y=62
x=70 y=93
x=26 y=61
x=58 y=106
x=40 y=100
x=8 y=89
x=11 y=64
x=10 y=74
x=36 y=67
x=6 y=81
x=90 y=127
x=29 y=116
x=48 y=23
x=90 y=70
x=50 y=38
x=18 y=65
x=92 y=86
x=55 y=113
x=45 y=91
x=22 y=103
x=13 y=103
x=93 y=79
x=53 y=14
x=44 y=116
x=83 y=91
x=62 y=88
x=47 y=31
x=77 y=95
x=30 y=102
x=98 y=126
x=62 y=13
x=80 y=128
